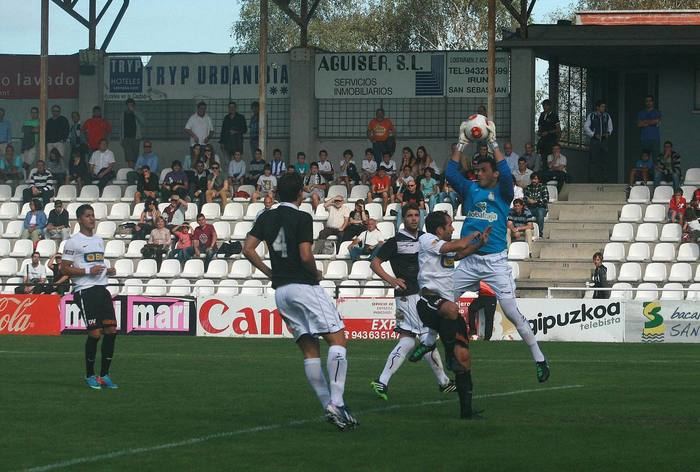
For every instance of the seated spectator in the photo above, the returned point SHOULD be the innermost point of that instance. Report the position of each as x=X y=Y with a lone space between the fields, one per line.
x=204 y=240
x=668 y=166
x=147 y=158
x=41 y=183
x=677 y=207
x=537 y=200
x=446 y=193
x=517 y=192
x=511 y=156
x=692 y=230
x=692 y=212
x=277 y=165
x=390 y=166
x=268 y=202
x=315 y=186
x=338 y=218
x=403 y=179
x=556 y=163
x=217 y=186
x=291 y=169
x=411 y=195
x=357 y=221
x=209 y=157
x=174 y=213
x=11 y=165
x=367 y=243
x=380 y=187
x=642 y=169
x=175 y=182
x=522 y=173
x=325 y=168
x=159 y=241
x=58 y=226
x=102 y=165
x=369 y=167
x=599 y=279
x=57 y=167
x=534 y=160
x=78 y=170
x=519 y=224
x=267 y=184
x=34 y=276
x=184 y=250
x=147 y=220
x=60 y=283
x=348 y=170
x=408 y=159
x=192 y=157
x=256 y=168
x=146 y=186
x=430 y=187
x=423 y=161
x=302 y=167
x=34 y=222
x=198 y=189
x=236 y=171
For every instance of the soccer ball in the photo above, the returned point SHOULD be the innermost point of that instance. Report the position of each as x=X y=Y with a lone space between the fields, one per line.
x=476 y=128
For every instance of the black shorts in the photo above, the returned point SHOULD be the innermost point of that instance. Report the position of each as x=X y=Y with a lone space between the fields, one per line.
x=96 y=307
x=428 y=308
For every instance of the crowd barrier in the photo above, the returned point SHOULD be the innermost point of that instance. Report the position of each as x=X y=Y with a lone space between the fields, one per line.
x=246 y=316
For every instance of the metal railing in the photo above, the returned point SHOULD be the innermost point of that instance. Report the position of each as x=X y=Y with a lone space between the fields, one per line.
x=618 y=289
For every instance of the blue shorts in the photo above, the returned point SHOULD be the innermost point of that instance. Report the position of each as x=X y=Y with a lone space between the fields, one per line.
x=491 y=268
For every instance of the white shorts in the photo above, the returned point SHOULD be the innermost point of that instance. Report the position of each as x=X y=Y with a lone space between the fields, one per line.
x=307 y=309
x=407 y=319
x=491 y=268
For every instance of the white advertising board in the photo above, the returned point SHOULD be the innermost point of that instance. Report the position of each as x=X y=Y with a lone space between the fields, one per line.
x=467 y=74
x=662 y=322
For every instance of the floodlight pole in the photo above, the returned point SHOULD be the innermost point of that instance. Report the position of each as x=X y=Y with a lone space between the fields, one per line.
x=262 y=78
x=491 y=61
x=44 y=82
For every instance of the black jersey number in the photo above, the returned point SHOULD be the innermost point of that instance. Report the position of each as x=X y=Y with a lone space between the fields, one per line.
x=280 y=244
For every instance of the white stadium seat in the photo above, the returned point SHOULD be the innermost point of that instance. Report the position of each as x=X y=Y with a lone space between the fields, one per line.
x=194 y=269
x=655 y=272
x=336 y=270
x=518 y=251
x=446 y=207
x=317 y=228
x=232 y=212
x=639 y=194
x=252 y=287
x=249 y=189
x=203 y=288
x=22 y=248
x=9 y=211
x=218 y=269
x=223 y=230
x=241 y=269
x=17 y=197
x=134 y=249
x=648 y=292
x=358 y=192
x=240 y=231
x=662 y=194
x=321 y=213
x=671 y=232
x=664 y=252
x=5 y=247
x=23 y=211
x=89 y=193
x=386 y=265
x=124 y=268
x=113 y=287
x=115 y=249
x=5 y=192
x=169 y=268
x=688 y=191
x=146 y=269
x=120 y=179
x=227 y=287
x=119 y=212
x=349 y=288
x=211 y=211
x=11 y=284
x=360 y=271
x=619 y=290
x=612 y=271
x=307 y=208
x=252 y=211
x=137 y=210
x=688 y=252
x=129 y=193
x=630 y=272
x=389 y=208
x=697 y=274
x=179 y=288
x=693 y=293
x=622 y=232
x=132 y=287
x=329 y=287
x=67 y=193
x=374 y=210
x=647 y=232
x=258 y=274
x=680 y=272
x=515 y=269
x=387 y=229
x=13 y=230
x=111 y=193
x=553 y=193
x=631 y=213
x=343 y=251
x=638 y=252
x=336 y=190
x=8 y=267
x=106 y=229
x=374 y=288
x=46 y=247
x=692 y=177
x=156 y=288
x=670 y=291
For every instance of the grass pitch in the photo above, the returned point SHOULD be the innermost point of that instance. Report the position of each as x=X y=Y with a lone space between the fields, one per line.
x=224 y=404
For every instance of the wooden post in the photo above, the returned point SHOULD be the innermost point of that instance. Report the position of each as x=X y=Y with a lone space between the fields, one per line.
x=44 y=82
x=262 y=84
x=491 y=62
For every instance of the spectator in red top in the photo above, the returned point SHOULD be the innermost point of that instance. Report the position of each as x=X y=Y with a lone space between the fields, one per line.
x=487 y=302
x=677 y=207
x=382 y=134
x=183 y=247
x=380 y=187
x=97 y=129
x=204 y=240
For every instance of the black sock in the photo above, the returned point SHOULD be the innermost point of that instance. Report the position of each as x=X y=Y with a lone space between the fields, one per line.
x=90 y=353
x=463 y=381
x=107 y=353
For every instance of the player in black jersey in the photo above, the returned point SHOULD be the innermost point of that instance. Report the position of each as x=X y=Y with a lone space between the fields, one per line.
x=402 y=253
x=305 y=307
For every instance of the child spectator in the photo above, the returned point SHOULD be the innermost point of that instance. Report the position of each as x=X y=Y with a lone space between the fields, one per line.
x=642 y=169
x=369 y=166
x=302 y=167
x=267 y=184
x=677 y=207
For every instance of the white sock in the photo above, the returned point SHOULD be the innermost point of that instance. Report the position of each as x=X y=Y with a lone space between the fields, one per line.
x=314 y=374
x=337 y=364
x=429 y=338
x=396 y=358
x=435 y=362
x=510 y=309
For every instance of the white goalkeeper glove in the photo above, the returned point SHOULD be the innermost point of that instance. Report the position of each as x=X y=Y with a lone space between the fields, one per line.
x=463 y=138
x=491 y=126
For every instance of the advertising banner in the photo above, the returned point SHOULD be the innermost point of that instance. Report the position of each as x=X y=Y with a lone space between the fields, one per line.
x=72 y=322
x=467 y=74
x=156 y=315
x=193 y=76
x=662 y=322
x=241 y=316
x=368 y=318
x=20 y=77
x=29 y=315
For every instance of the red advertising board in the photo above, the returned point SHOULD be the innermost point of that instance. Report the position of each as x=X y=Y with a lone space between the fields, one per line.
x=241 y=316
x=20 y=76
x=30 y=315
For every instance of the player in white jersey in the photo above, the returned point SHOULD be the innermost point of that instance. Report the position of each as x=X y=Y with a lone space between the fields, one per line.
x=83 y=261
x=437 y=308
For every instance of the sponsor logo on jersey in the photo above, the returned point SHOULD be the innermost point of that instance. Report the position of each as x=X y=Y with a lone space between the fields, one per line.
x=481 y=213
x=94 y=257
x=447 y=261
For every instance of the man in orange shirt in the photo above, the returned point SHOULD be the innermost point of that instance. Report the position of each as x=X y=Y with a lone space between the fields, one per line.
x=486 y=301
x=380 y=187
x=97 y=129
x=382 y=134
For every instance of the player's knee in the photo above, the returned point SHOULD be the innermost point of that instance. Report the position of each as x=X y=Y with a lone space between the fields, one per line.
x=95 y=333
x=463 y=356
x=449 y=310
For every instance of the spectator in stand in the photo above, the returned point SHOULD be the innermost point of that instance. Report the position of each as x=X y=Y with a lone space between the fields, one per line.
x=60 y=283
x=511 y=156
x=76 y=136
x=534 y=160
x=56 y=165
x=96 y=129
x=277 y=165
x=199 y=126
x=430 y=188
x=184 y=250
x=677 y=207
x=57 y=131
x=403 y=179
x=423 y=161
x=5 y=132
x=198 y=189
x=349 y=174
x=34 y=222
x=522 y=173
x=380 y=187
x=209 y=157
x=102 y=165
x=191 y=158
x=692 y=212
x=381 y=133
x=175 y=182
x=204 y=240
x=132 y=131
x=599 y=277
x=58 y=226
x=236 y=171
x=407 y=159
x=642 y=169
x=11 y=165
x=648 y=121
x=390 y=166
x=598 y=127
x=302 y=167
x=369 y=167
x=256 y=168
x=537 y=200
x=446 y=193
x=34 y=276
x=411 y=195
x=217 y=186
x=160 y=240
x=315 y=186
x=30 y=138
x=325 y=168
x=556 y=163
x=147 y=186
x=41 y=183
x=520 y=223
x=254 y=126
x=268 y=202
x=482 y=152
x=548 y=129
x=517 y=192
x=338 y=218
x=147 y=220
x=357 y=221
x=291 y=169
x=668 y=166
x=367 y=243
x=232 y=130
x=174 y=213
x=78 y=170
x=267 y=184
x=147 y=158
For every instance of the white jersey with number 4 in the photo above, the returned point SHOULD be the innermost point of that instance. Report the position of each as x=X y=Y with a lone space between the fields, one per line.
x=86 y=252
x=435 y=269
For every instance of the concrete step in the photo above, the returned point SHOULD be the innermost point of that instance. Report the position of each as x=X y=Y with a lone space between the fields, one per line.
x=565 y=251
x=597 y=193
x=582 y=235
x=586 y=212
x=547 y=274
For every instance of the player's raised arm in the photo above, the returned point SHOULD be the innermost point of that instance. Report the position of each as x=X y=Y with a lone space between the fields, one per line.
x=452 y=173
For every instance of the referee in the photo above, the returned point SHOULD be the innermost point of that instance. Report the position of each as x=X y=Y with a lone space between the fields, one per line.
x=83 y=262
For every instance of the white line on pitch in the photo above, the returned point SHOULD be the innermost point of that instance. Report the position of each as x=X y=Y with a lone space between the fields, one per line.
x=258 y=429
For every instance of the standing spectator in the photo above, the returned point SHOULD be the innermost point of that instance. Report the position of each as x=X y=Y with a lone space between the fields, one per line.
x=256 y=168
x=520 y=223
x=267 y=184
x=548 y=129
x=369 y=167
x=534 y=160
x=11 y=165
x=183 y=246
x=598 y=127
x=648 y=121
x=277 y=165
x=236 y=171
x=390 y=166
x=41 y=183
x=677 y=207
x=315 y=186
x=96 y=129
x=5 y=132
x=254 y=126
x=338 y=218
x=175 y=182
x=204 y=240
x=668 y=166
x=325 y=168
x=76 y=138
x=537 y=200
x=199 y=126
x=357 y=221
x=198 y=189
x=232 y=130
x=411 y=195
x=57 y=166
x=102 y=165
x=57 y=131
x=174 y=214
x=642 y=169
x=78 y=170
x=147 y=220
x=217 y=186
x=511 y=156
x=381 y=133
x=556 y=162
x=34 y=222
x=146 y=186
x=367 y=243
x=58 y=226
x=522 y=173
x=132 y=132
x=599 y=278
x=34 y=275
x=160 y=240
x=147 y=158
x=30 y=138
x=380 y=187
x=302 y=167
